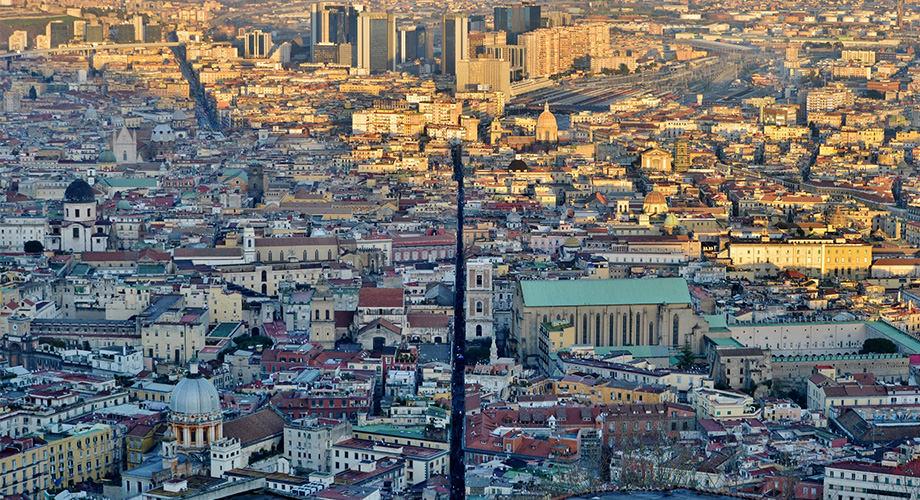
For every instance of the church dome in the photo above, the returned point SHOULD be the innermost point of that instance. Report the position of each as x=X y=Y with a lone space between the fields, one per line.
x=547 y=127
x=79 y=192
x=655 y=198
x=194 y=395
x=517 y=166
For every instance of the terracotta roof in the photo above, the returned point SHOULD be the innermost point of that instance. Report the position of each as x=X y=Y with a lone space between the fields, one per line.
x=380 y=297
x=255 y=427
x=207 y=252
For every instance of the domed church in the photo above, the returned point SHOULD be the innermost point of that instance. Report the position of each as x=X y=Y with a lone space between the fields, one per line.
x=547 y=127
x=80 y=230
x=195 y=417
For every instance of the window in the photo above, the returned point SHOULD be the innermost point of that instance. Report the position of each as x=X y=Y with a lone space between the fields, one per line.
x=675 y=333
x=625 y=341
x=76 y=232
x=610 y=332
x=597 y=329
x=479 y=308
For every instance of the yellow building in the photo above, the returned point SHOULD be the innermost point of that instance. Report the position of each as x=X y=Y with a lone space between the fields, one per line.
x=57 y=459
x=224 y=306
x=817 y=258
x=591 y=390
x=554 y=336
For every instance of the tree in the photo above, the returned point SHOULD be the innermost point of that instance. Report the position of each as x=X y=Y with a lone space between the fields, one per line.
x=33 y=246
x=685 y=358
x=878 y=346
x=33 y=94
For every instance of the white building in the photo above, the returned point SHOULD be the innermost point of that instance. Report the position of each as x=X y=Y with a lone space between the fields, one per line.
x=308 y=442
x=16 y=231
x=718 y=405
x=869 y=481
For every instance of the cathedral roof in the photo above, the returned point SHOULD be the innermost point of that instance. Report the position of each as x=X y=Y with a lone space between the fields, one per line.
x=194 y=395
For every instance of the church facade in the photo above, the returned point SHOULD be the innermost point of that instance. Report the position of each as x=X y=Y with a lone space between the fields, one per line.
x=81 y=229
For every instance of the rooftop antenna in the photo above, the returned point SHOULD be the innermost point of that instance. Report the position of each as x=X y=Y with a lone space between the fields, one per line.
x=458 y=348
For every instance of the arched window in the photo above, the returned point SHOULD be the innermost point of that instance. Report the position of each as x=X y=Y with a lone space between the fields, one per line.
x=675 y=332
x=479 y=307
x=478 y=280
x=584 y=328
x=638 y=333
x=315 y=254
x=630 y=320
x=269 y=255
x=329 y=254
x=597 y=329
x=479 y=330
x=305 y=255
x=610 y=332
x=625 y=340
x=264 y=275
x=651 y=333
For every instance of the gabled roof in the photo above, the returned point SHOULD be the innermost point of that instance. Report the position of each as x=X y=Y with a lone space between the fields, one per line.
x=564 y=293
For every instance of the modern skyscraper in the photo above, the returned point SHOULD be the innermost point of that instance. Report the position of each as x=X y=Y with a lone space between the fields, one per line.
x=257 y=44
x=408 y=48
x=376 y=42
x=454 y=42
x=19 y=40
x=138 y=22
x=516 y=19
x=59 y=33
x=484 y=72
x=477 y=22
x=331 y=23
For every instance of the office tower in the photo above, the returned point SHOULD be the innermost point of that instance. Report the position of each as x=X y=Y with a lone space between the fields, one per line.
x=94 y=33
x=477 y=22
x=516 y=19
x=330 y=23
x=123 y=33
x=332 y=53
x=425 y=42
x=531 y=15
x=19 y=40
x=454 y=42
x=408 y=47
x=59 y=33
x=79 y=30
x=257 y=44
x=138 y=22
x=495 y=74
x=376 y=42
x=501 y=19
